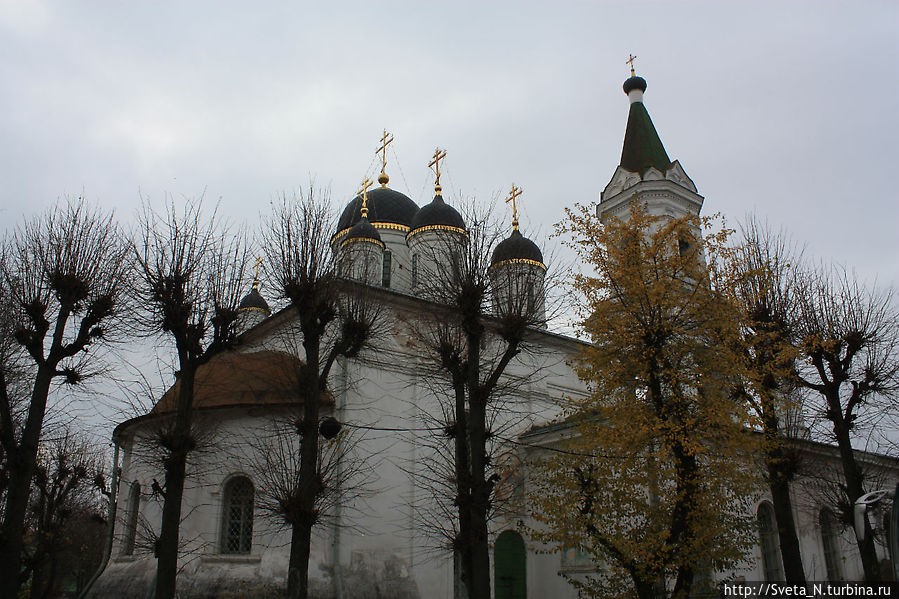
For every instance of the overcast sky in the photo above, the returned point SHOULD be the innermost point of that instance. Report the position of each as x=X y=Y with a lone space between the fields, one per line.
x=787 y=109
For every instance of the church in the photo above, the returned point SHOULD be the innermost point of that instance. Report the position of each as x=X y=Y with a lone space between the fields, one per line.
x=378 y=540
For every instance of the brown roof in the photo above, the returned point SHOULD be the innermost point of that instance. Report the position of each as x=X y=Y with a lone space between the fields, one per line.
x=243 y=379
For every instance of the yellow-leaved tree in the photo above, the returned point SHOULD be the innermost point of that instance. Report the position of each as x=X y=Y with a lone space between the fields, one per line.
x=651 y=484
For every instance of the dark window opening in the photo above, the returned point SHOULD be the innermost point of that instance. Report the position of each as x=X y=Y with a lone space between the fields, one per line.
x=385 y=272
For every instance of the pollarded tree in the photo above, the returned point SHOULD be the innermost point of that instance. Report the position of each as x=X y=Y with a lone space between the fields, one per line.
x=657 y=475
x=766 y=287
x=63 y=275
x=488 y=305
x=334 y=318
x=66 y=505
x=849 y=344
x=189 y=277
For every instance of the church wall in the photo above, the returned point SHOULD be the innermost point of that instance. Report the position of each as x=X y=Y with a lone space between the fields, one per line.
x=381 y=534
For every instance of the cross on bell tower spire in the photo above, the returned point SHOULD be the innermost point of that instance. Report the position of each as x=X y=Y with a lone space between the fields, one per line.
x=630 y=61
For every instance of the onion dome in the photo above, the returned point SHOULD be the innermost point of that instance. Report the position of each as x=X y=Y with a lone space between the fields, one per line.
x=633 y=83
x=438 y=215
x=362 y=231
x=517 y=249
x=254 y=301
x=387 y=209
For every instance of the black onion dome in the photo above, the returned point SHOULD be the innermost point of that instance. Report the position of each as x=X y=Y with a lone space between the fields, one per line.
x=438 y=213
x=516 y=247
x=384 y=206
x=363 y=230
x=634 y=83
x=254 y=301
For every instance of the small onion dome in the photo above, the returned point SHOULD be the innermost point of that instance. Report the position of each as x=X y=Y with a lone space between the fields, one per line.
x=437 y=215
x=387 y=209
x=517 y=249
x=254 y=301
x=633 y=83
x=363 y=231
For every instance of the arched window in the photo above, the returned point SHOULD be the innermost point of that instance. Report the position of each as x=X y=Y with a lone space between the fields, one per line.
x=830 y=538
x=770 y=543
x=237 y=516
x=131 y=519
x=414 y=269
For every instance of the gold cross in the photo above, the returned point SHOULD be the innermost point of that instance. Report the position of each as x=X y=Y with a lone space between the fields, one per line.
x=438 y=156
x=256 y=275
x=382 y=150
x=516 y=191
x=363 y=191
x=630 y=61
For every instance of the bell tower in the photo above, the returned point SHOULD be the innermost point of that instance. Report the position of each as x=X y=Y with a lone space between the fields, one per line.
x=645 y=173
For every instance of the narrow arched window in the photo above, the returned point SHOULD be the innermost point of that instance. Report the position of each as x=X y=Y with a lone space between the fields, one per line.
x=131 y=519
x=770 y=543
x=385 y=270
x=237 y=516
x=830 y=539
x=414 y=269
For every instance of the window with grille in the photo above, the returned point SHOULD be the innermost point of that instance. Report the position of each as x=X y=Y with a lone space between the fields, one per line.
x=131 y=519
x=385 y=272
x=831 y=541
x=771 y=560
x=237 y=520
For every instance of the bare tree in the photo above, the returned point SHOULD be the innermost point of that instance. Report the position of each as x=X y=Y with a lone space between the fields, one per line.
x=335 y=318
x=190 y=273
x=485 y=315
x=67 y=491
x=849 y=341
x=765 y=282
x=62 y=277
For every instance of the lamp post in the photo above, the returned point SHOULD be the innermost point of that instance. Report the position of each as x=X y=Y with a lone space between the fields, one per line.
x=878 y=499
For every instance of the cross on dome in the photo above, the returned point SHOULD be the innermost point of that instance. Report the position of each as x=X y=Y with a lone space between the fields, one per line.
x=386 y=139
x=435 y=163
x=513 y=194
x=256 y=273
x=363 y=191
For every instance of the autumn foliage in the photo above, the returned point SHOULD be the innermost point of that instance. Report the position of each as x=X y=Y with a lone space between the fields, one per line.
x=651 y=484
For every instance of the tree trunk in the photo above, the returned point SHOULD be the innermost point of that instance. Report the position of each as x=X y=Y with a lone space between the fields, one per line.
x=783 y=514
x=175 y=468
x=480 y=491
x=480 y=502
x=463 y=489
x=21 y=468
x=682 y=520
x=645 y=589
x=298 y=567
x=854 y=490
x=309 y=482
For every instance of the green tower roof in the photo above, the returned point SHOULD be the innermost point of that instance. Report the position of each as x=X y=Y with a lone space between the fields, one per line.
x=642 y=146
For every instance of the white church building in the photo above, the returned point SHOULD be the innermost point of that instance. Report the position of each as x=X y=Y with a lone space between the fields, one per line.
x=377 y=541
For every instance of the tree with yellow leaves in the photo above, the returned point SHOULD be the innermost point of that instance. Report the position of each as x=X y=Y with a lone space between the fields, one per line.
x=652 y=485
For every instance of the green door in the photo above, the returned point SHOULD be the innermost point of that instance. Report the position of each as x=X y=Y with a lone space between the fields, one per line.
x=509 y=570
